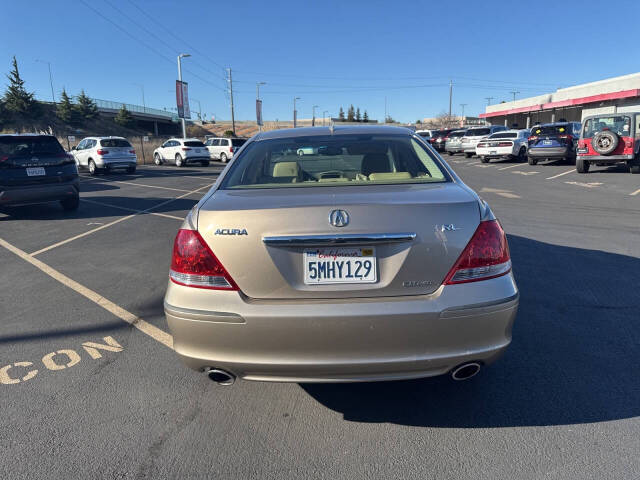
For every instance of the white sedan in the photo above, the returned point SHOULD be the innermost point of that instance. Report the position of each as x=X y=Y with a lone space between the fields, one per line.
x=510 y=144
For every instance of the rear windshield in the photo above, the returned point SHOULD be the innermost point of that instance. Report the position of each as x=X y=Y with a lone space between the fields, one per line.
x=620 y=124
x=504 y=135
x=115 y=142
x=459 y=133
x=334 y=161
x=551 y=130
x=238 y=142
x=475 y=132
x=31 y=151
x=194 y=143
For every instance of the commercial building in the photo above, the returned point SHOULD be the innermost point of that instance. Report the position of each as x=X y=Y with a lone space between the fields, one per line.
x=612 y=95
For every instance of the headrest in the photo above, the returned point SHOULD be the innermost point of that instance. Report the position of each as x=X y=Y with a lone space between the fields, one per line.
x=285 y=169
x=375 y=163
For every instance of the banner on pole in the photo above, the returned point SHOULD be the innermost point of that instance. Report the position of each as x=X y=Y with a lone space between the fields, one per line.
x=259 y=112
x=182 y=99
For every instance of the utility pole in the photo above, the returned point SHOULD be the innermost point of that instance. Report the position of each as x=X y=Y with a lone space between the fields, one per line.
x=385 y=110
x=450 y=96
x=488 y=99
x=199 y=107
x=326 y=111
x=295 y=113
x=463 y=105
x=53 y=97
x=514 y=95
x=313 y=115
x=258 y=98
x=233 y=118
x=180 y=57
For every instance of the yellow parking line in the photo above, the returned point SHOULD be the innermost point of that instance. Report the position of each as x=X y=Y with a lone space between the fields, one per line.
x=561 y=174
x=510 y=166
x=63 y=242
x=124 y=315
x=635 y=193
x=130 y=209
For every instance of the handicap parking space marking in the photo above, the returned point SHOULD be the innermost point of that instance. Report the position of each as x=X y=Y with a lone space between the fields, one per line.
x=573 y=170
x=500 y=192
x=520 y=172
x=148 y=210
x=24 y=370
x=586 y=185
x=632 y=194
x=142 y=325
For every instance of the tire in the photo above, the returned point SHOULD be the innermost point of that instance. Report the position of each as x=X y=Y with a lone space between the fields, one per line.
x=635 y=169
x=223 y=157
x=70 y=204
x=205 y=163
x=532 y=161
x=522 y=155
x=451 y=154
x=605 y=142
x=468 y=155
x=484 y=159
x=93 y=170
x=582 y=166
x=131 y=169
x=179 y=161
x=157 y=160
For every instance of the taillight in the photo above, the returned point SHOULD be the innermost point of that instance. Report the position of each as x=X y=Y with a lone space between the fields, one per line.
x=628 y=142
x=485 y=256
x=505 y=144
x=132 y=151
x=230 y=149
x=532 y=138
x=102 y=152
x=568 y=138
x=185 y=148
x=193 y=264
x=582 y=144
x=482 y=145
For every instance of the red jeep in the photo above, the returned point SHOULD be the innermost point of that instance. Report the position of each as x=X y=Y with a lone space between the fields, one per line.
x=609 y=139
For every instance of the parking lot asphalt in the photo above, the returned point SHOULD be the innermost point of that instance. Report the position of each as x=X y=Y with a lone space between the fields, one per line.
x=90 y=387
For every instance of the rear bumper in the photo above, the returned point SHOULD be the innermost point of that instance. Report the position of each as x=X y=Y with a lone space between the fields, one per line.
x=453 y=148
x=605 y=158
x=550 y=152
x=343 y=340
x=22 y=195
x=498 y=152
x=123 y=162
x=200 y=158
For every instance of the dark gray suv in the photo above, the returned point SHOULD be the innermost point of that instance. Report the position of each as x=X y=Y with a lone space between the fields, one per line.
x=36 y=169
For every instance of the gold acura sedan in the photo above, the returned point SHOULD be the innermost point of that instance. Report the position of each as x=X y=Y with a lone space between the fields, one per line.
x=364 y=259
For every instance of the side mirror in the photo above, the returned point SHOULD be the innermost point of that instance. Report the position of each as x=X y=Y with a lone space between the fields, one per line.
x=74 y=148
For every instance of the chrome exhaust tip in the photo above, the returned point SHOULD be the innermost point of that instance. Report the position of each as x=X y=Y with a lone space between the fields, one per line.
x=465 y=371
x=221 y=377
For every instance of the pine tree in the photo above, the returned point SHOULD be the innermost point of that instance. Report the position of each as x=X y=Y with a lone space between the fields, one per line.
x=358 y=116
x=17 y=101
x=351 y=114
x=341 y=115
x=365 y=117
x=64 y=109
x=86 y=108
x=124 y=118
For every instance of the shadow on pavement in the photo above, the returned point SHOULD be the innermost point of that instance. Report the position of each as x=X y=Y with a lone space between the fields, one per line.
x=64 y=332
x=574 y=356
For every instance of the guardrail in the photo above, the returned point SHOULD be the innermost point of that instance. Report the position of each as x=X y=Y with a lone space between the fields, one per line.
x=110 y=105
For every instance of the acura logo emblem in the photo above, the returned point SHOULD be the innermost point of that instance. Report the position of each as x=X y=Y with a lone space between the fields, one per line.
x=339 y=218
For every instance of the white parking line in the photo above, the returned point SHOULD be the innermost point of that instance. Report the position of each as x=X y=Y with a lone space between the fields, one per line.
x=519 y=172
x=561 y=174
x=510 y=166
x=130 y=209
x=500 y=192
x=473 y=163
x=124 y=315
x=63 y=242
x=587 y=185
x=484 y=165
x=107 y=179
x=635 y=193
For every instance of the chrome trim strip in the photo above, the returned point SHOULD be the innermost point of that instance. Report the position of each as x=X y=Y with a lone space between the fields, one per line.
x=338 y=239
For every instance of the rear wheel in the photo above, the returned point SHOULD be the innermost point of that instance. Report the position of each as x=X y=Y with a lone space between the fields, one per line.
x=205 y=163
x=635 y=169
x=484 y=159
x=582 y=166
x=532 y=161
x=179 y=161
x=468 y=154
x=522 y=155
x=70 y=204
x=93 y=170
x=157 y=160
x=451 y=154
x=131 y=169
x=223 y=157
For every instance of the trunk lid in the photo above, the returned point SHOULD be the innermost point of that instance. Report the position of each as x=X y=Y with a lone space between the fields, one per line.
x=410 y=267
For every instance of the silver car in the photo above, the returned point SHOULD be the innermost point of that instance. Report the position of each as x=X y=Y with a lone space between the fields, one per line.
x=367 y=260
x=99 y=154
x=453 y=144
x=474 y=135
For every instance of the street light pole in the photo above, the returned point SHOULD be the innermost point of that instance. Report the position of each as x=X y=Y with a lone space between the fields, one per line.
x=258 y=98
x=326 y=111
x=463 y=105
x=313 y=115
x=180 y=57
x=294 y=111
x=53 y=97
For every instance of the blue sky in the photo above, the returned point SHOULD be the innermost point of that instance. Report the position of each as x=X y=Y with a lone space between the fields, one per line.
x=331 y=53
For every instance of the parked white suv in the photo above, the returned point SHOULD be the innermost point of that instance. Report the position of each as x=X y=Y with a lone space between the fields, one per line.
x=474 y=135
x=508 y=144
x=223 y=148
x=181 y=151
x=99 y=154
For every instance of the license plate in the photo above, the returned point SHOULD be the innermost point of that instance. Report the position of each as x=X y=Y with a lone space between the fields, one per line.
x=198 y=150
x=340 y=265
x=547 y=142
x=35 y=172
x=493 y=152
